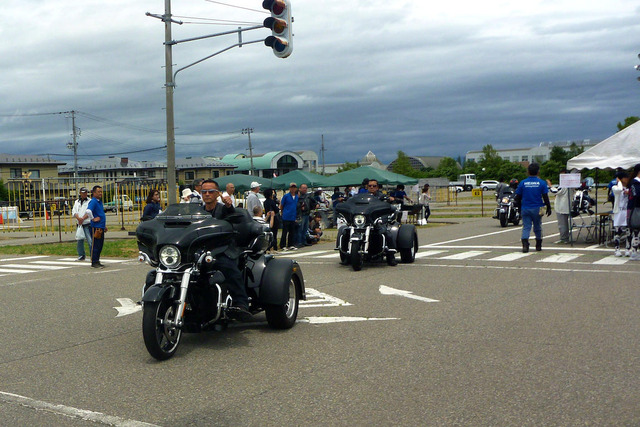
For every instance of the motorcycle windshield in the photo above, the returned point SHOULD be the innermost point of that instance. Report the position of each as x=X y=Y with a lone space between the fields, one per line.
x=184 y=225
x=364 y=204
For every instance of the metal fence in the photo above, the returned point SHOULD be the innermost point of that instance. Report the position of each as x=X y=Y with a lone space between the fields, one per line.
x=43 y=206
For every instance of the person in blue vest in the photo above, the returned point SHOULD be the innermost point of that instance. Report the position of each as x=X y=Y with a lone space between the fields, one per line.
x=288 y=206
x=98 y=225
x=531 y=195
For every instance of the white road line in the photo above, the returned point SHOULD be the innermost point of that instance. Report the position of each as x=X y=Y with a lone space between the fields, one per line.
x=67 y=263
x=102 y=260
x=510 y=257
x=464 y=255
x=559 y=248
x=325 y=320
x=37 y=267
x=521 y=268
x=335 y=254
x=24 y=257
x=487 y=234
x=560 y=258
x=425 y=254
x=69 y=411
x=316 y=298
x=301 y=254
x=15 y=271
x=612 y=260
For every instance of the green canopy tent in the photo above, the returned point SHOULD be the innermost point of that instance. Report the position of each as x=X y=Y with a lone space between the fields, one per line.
x=243 y=182
x=355 y=177
x=302 y=177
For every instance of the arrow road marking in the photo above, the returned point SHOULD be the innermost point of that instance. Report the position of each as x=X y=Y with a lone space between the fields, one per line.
x=128 y=307
x=385 y=290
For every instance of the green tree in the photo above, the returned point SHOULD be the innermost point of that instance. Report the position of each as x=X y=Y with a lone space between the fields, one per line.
x=348 y=166
x=627 y=122
x=448 y=167
x=4 y=193
x=402 y=165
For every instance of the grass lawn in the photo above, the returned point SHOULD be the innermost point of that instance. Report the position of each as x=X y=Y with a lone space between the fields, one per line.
x=120 y=248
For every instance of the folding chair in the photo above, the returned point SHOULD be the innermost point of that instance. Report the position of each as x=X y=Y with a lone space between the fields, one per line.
x=587 y=223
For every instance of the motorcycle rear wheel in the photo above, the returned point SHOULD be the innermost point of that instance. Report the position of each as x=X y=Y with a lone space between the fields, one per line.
x=284 y=316
x=408 y=255
x=356 y=257
x=503 y=220
x=160 y=339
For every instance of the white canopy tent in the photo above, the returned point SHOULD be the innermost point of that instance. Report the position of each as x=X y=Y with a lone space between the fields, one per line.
x=621 y=150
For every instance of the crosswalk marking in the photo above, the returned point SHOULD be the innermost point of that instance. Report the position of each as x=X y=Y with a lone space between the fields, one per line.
x=316 y=298
x=15 y=270
x=612 y=260
x=23 y=258
x=425 y=254
x=510 y=257
x=335 y=254
x=104 y=261
x=301 y=254
x=67 y=263
x=35 y=267
x=559 y=258
x=464 y=255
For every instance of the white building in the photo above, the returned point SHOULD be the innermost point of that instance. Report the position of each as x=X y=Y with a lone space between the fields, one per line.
x=538 y=154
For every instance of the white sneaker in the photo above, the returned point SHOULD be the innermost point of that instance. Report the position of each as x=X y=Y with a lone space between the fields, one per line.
x=617 y=253
x=635 y=256
x=627 y=253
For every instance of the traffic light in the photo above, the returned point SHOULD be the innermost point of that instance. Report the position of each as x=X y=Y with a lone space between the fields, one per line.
x=281 y=40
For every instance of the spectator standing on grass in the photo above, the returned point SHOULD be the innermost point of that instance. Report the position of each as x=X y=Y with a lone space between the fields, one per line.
x=79 y=212
x=196 y=197
x=230 y=190
x=98 y=225
x=531 y=195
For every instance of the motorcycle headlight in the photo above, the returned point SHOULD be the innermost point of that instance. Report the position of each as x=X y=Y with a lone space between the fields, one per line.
x=505 y=200
x=359 y=220
x=170 y=256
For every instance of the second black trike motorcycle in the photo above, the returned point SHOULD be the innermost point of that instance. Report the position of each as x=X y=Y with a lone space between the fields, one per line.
x=370 y=225
x=507 y=212
x=185 y=292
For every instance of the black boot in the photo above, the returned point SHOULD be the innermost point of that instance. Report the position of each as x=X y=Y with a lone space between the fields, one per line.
x=391 y=260
x=538 y=245
x=525 y=245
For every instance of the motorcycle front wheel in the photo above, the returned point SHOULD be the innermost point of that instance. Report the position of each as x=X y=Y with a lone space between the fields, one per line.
x=284 y=316
x=503 y=220
x=356 y=257
x=160 y=337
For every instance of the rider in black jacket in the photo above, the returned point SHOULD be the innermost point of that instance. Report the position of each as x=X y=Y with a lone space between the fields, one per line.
x=227 y=262
x=374 y=189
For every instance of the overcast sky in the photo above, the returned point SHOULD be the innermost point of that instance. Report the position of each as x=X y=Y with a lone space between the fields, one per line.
x=428 y=78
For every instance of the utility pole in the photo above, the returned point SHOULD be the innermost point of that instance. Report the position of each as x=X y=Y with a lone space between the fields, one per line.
x=169 y=85
x=249 y=131
x=74 y=146
x=322 y=150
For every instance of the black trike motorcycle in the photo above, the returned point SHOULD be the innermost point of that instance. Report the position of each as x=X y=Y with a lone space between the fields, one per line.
x=185 y=292
x=507 y=212
x=370 y=224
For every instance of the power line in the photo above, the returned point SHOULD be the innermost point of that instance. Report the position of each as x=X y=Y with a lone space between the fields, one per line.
x=214 y=21
x=105 y=154
x=208 y=142
x=238 y=7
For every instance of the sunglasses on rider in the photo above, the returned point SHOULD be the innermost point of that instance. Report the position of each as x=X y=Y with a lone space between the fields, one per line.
x=209 y=191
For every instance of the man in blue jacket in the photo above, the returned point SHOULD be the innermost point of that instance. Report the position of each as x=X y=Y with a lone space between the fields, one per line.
x=98 y=225
x=531 y=195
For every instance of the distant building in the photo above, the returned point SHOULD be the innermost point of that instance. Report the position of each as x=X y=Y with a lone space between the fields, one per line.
x=310 y=161
x=538 y=154
x=19 y=166
x=421 y=162
x=369 y=159
x=190 y=168
x=266 y=165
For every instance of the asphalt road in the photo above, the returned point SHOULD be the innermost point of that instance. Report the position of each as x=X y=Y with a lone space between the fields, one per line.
x=550 y=338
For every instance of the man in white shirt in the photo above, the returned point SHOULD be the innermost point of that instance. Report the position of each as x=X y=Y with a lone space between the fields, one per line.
x=230 y=190
x=252 y=198
x=79 y=212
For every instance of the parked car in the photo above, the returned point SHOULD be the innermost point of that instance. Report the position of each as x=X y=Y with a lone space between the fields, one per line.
x=488 y=185
x=457 y=188
x=115 y=204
